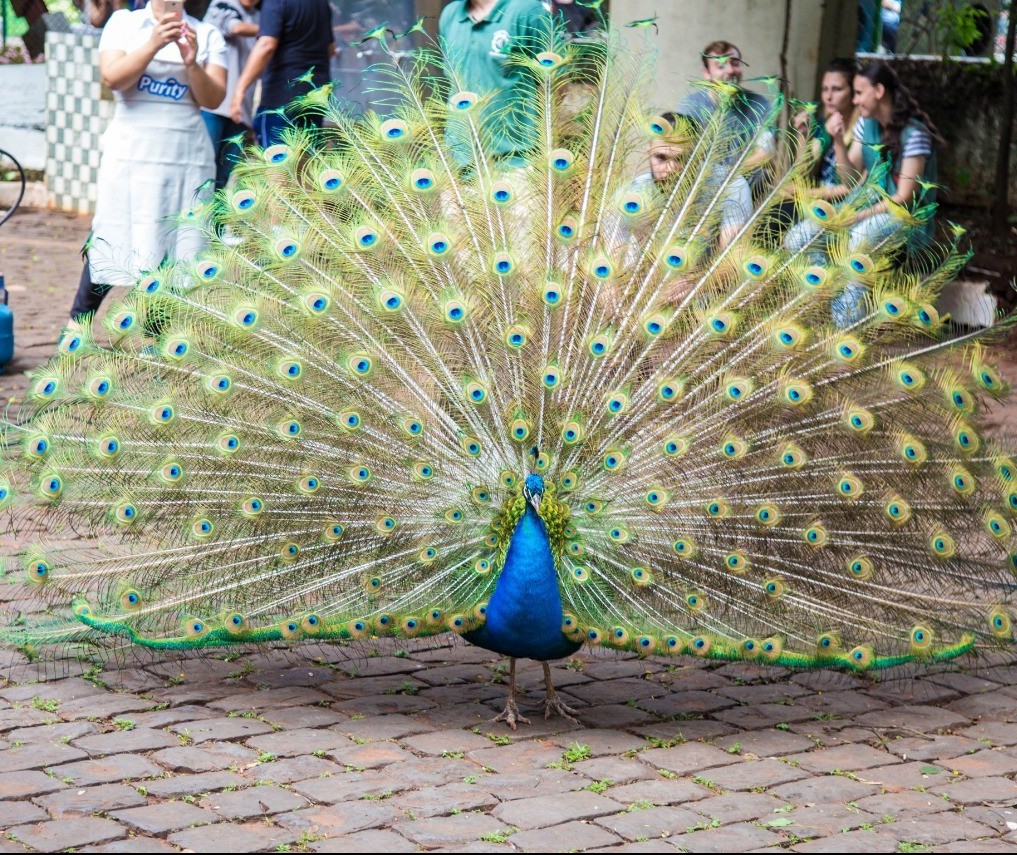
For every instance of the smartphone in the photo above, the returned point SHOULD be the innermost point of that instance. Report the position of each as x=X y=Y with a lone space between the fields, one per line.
x=174 y=6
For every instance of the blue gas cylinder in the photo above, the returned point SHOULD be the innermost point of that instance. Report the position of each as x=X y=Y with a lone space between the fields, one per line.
x=6 y=328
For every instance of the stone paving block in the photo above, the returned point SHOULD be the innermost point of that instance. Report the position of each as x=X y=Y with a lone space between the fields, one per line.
x=208 y=757
x=908 y=776
x=436 y=801
x=380 y=666
x=567 y=837
x=616 y=716
x=100 y=799
x=26 y=717
x=231 y=837
x=70 y=689
x=543 y=811
x=371 y=756
x=621 y=770
x=372 y=841
x=691 y=758
x=620 y=691
x=114 y=767
x=519 y=757
x=642 y=846
x=133 y=844
x=658 y=791
x=999 y=819
x=346 y=787
x=914 y=718
x=269 y=699
x=456 y=717
x=334 y=820
x=202 y=782
x=730 y=838
x=38 y=756
x=987 y=845
x=431 y=772
x=299 y=675
x=916 y=691
x=293 y=743
x=164 y=817
x=986 y=763
x=21 y=785
x=823 y=820
x=852 y=841
x=766 y=693
x=548 y=782
x=455 y=674
x=965 y=684
x=842 y=704
x=299 y=718
x=937 y=829
x=64 y=834
x=768 y=742
x=979 y=791
x=445 y=831
x=20 y=813
x=293 y=769
x=677 y=704
x=651 y=822
x=104 y=706
x=847 y=758
x=996 y=732
x=118 y=742
x=601 y=741
x=750 y=774
x=993 y=705
x=440 y=742
x=936 y=747
x=48 y=733
x=253 y=802
x=164 y=718
x=215 y=729
x=384 y=704
x=825 y=790
x=756 y=716
x=739 y=807
x=902 y=803
x=691 y=730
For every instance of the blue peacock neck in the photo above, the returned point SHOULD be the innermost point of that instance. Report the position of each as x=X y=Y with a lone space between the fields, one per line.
x=524 y=614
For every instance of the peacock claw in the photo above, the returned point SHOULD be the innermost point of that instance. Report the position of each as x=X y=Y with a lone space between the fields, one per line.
x=510 y=715
x=554 y=704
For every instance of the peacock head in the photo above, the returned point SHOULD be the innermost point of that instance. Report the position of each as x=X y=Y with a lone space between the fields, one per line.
x=533 y=490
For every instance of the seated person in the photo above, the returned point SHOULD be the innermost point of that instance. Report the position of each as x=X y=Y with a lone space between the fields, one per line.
x=837 y=97
x=891 y=161
x=747 y=115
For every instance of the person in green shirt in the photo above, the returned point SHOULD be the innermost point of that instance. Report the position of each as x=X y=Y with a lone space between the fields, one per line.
x=483 y=41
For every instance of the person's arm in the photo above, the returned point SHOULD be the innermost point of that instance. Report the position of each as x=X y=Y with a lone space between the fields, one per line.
x=243 y=28
x=120 y=70
x=264 y=48
x=849 y=160
x=208 y=82
x=907 y=188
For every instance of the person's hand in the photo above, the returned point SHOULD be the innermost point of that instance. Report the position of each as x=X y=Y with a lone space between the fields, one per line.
x=189 y=46
x=802 y=122
x=237 y=106
x=835 y=125
x=169 y=29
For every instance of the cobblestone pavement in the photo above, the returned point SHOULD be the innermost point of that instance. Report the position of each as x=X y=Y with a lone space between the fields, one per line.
x=389 y=748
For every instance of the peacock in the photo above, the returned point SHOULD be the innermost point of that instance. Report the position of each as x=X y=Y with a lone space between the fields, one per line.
x=535 y=401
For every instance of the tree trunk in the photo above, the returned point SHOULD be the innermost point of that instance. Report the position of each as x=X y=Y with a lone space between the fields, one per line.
x=1000 y=202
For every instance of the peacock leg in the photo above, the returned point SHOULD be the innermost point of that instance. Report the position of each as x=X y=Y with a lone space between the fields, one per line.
x=511 y=713
x=554 y=704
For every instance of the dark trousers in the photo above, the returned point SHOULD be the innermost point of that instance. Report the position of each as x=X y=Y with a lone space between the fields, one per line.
x=223 y=131
x=89 y=296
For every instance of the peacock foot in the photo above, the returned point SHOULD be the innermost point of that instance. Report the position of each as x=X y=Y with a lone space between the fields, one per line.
x=511 y=715
x=556 y=705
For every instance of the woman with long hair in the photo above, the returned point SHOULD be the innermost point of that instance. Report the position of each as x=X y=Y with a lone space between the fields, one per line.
x=837 y=96
x=891 y=165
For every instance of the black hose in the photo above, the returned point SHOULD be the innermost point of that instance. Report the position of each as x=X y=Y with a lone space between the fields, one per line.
x=4 y=156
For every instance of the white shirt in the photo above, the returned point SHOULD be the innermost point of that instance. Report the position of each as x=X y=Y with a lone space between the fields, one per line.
x=164 y=81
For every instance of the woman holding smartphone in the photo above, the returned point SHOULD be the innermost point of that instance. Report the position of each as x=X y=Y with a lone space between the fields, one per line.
x=163 y=67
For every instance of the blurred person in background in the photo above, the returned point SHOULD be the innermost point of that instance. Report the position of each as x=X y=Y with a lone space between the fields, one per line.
x=163 y=68
x=237 y=22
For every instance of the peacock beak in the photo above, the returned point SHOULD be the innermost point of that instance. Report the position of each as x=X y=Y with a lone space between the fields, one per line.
x=535 y=501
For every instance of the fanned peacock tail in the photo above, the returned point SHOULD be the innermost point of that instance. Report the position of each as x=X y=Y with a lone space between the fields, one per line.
x=319 y=429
